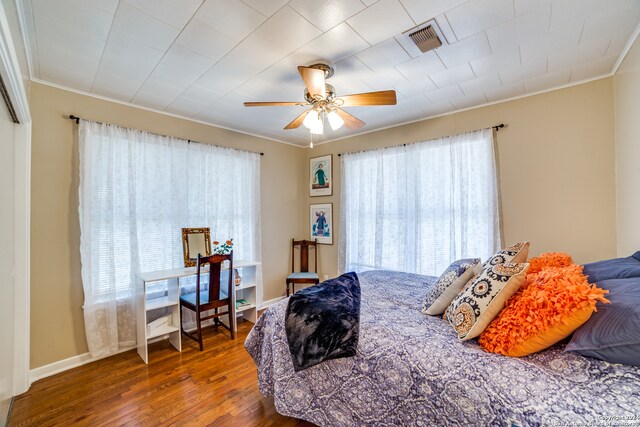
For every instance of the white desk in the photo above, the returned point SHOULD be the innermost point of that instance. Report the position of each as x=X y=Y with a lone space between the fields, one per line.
x=150 y=307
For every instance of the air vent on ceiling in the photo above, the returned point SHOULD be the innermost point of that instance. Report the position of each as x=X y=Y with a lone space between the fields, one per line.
x=426 y=39
x=423 y=38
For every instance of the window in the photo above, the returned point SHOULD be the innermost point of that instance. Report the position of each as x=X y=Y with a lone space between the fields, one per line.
x=418 y=207
x=137 y=191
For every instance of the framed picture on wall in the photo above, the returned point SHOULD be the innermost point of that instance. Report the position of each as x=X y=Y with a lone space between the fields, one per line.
x=320 y=176
x=321 y=222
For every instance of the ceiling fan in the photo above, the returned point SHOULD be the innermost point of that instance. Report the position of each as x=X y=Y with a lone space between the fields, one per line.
x=324 y=102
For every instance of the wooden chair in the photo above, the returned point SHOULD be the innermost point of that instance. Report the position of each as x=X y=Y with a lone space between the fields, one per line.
x=304 y=276
x=215 y=297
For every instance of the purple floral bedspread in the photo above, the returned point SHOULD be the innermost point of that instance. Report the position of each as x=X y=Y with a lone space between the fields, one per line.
x=410 y=369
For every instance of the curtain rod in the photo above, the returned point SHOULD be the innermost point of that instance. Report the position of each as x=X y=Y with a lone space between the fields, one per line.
x=77 y=119
x=496 y=128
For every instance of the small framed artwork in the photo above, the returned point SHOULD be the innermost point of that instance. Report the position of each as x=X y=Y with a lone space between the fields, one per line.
x=321 y=223
x=320 y=176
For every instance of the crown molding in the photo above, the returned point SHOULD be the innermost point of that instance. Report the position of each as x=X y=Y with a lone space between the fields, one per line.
x=487 y=104
x=626 y=49
x=153 y=110
x=24 y=11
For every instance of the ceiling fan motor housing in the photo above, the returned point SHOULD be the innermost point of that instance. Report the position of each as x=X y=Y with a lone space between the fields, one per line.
x=330 y=90
x=328 y=69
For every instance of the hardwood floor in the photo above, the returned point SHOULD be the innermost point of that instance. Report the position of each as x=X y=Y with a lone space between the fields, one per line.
x=218 y=386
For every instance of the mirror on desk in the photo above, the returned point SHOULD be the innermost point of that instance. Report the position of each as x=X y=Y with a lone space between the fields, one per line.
x=195 y=241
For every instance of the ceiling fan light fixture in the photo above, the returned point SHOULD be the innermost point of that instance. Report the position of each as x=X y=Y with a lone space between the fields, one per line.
x=317 y=128
x=335 y=121
x=312 y=119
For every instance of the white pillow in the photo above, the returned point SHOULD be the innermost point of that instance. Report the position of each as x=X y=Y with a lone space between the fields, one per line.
x=450 y=283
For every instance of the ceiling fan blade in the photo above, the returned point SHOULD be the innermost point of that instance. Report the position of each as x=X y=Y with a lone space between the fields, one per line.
x=350 y=121
x=384 y=97
x=297 y=121
x=314 y=80
x=273 y=104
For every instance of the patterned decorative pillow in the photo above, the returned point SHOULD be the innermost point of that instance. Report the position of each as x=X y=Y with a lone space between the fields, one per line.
x=454 y=278
x=481 y=301
x=513 y=254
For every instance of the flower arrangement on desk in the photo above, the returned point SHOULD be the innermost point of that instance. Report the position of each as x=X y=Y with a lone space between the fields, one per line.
x=223 y=248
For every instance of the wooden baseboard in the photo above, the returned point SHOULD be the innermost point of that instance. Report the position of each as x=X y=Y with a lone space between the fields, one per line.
x=66 y=364
x=82 y=359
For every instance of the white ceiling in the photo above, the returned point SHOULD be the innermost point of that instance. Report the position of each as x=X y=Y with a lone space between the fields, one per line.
x=203 y=59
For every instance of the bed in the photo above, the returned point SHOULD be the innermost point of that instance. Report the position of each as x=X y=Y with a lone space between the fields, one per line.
x=410 y=369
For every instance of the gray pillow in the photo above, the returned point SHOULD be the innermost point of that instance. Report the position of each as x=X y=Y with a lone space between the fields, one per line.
x=613 y=332
x=617 y=268
x=454 y=278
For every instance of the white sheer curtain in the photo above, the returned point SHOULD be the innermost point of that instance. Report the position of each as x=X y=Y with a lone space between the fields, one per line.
x=137 y=190
x=419 y=207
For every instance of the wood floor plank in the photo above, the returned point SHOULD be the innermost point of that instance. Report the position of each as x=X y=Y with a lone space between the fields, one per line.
x=218 y=386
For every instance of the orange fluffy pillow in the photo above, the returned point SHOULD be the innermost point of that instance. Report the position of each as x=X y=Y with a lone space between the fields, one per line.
x=548 y=259
x=553 y=302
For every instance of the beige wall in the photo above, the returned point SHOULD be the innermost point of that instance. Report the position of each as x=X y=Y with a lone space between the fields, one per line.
x=57 y=326
x=556 y=160
x=627 y=126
